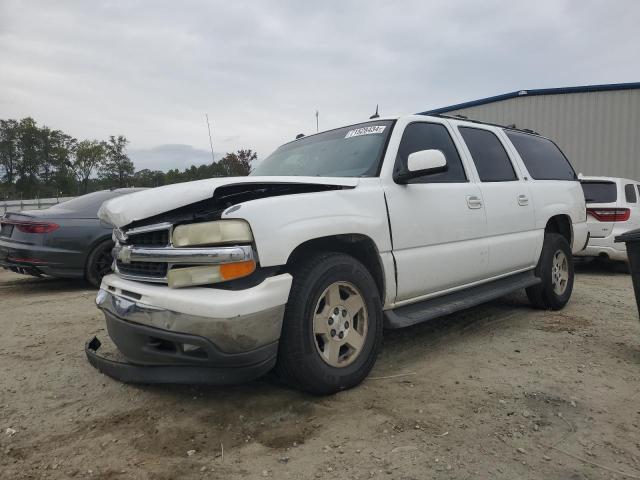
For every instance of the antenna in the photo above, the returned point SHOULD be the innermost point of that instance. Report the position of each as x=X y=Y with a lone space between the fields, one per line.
x=375 y=115
x=210 y=140
x=317 y=124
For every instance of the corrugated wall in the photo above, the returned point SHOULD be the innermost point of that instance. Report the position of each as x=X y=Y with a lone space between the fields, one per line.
x=598 y=131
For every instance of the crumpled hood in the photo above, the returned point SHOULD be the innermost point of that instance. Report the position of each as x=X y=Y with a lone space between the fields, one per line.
x=121 y=211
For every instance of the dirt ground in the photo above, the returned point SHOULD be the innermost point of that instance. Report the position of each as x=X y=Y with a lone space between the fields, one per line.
x=500 y=391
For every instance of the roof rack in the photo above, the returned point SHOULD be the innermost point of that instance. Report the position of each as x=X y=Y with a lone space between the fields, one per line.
x=467 y=119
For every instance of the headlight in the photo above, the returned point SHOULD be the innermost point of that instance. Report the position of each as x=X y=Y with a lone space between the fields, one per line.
x=204 y=275
x=212 y=233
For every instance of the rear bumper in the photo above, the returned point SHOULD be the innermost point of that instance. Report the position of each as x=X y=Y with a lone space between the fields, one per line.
x=601 y=247
x=604 y=251
x=195 y=335
x=41 y=260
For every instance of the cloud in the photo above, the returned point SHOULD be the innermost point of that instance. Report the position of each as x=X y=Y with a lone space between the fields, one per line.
x=151 y=70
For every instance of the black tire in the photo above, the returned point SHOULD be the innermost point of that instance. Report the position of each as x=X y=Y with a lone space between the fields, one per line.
x=300 y=364
x=543 y=295
x=99 y=263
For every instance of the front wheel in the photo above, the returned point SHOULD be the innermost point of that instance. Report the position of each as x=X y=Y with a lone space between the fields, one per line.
x=555 y=270
x=99 y=263
x=332 y=329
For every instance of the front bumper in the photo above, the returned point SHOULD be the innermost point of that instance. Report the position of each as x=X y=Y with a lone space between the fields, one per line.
x=195 y=335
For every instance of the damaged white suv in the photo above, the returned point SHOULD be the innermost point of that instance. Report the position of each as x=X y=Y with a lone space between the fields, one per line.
x=334 y=237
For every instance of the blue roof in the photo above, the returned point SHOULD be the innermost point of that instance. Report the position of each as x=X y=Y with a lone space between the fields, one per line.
x=543 y=91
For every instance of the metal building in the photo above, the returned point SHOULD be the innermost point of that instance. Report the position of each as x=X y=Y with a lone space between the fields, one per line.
x=597 y=126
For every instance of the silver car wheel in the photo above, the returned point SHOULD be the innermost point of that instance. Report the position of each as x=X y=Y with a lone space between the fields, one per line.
x=340 y=324
x=559 y=272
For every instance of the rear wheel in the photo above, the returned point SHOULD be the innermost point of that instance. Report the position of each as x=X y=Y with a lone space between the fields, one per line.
x=332 y=330
x=555 y=270
x=99 y=263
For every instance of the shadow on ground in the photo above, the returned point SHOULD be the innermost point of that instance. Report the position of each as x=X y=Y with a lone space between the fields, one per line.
x=19 y=284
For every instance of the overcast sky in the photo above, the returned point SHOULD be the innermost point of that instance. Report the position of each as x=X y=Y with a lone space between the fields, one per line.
x=150 y=70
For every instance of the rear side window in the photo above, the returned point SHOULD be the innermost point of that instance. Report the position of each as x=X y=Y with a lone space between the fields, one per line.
x=630 y=193
x=599 y=192
x=491 y=159
x=542 y=157
x=427 y=136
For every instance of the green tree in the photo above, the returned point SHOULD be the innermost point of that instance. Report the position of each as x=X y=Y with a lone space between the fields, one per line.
x=63 y=146
x=149 y=178
x=89 y=155
x=28 y=165
x=237 y=164
x=117 y=169
x=55 y=171
x=9 y=150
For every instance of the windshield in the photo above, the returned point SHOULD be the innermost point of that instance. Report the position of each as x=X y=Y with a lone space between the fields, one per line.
x=354 y=151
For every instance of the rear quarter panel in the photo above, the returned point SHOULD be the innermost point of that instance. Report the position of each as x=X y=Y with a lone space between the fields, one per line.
x=559 y=197
x=75 y=239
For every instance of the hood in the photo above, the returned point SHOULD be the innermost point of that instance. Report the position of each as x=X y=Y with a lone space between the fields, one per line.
x=137 y=206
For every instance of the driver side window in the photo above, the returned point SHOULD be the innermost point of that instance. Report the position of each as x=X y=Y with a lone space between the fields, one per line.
x=426 y=136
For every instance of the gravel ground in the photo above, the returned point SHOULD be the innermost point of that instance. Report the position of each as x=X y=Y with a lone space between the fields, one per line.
x=500 y=391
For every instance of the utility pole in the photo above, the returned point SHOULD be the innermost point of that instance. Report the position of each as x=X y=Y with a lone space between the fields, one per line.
x=210 y=140
x=317 y=124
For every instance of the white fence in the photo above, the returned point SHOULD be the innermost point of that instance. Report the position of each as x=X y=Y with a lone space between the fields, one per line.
x=37 y=204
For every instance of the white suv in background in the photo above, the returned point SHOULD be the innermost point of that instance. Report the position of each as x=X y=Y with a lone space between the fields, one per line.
x=612 y=209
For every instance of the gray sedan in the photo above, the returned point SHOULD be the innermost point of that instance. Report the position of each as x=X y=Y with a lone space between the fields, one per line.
x=67 y=240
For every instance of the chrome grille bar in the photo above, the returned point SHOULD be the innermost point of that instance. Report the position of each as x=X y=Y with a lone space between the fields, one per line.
x=201 y=256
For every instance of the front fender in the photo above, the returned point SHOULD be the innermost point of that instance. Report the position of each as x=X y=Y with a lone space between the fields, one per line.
x=282 y=223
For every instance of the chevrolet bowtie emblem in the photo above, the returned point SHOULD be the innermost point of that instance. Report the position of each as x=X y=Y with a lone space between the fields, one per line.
x=120 y=235
x=124 y=255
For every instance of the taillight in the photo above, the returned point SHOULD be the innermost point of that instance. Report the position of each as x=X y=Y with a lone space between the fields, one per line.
x=33 y=227
x=610 y=214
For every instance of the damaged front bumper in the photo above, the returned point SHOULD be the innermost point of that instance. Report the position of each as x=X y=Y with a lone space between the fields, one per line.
x=195 y=335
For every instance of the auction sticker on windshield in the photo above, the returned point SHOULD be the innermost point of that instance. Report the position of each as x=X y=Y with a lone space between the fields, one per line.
x=373 y=129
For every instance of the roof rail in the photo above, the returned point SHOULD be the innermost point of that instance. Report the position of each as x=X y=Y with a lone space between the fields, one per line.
x=466 y=119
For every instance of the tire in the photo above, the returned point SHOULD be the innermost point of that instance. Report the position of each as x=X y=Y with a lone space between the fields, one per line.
x=313 y=359
x=552 y=293
x=98 y=263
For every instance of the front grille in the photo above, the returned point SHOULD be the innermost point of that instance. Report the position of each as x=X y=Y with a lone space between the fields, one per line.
x=157 y=238
x=143 y=269
x=153 y=271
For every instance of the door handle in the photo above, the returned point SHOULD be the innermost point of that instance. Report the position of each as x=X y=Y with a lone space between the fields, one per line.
x=523 y=200
x=474 y=202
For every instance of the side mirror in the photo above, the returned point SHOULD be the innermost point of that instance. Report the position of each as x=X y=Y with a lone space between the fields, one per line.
x=423 y=162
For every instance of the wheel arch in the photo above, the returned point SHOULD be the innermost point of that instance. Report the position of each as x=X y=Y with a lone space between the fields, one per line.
x=562 y=225
x=359 y=246
x=92 y=246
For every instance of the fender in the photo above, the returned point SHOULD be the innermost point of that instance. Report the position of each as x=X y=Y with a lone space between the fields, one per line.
x=280 y=224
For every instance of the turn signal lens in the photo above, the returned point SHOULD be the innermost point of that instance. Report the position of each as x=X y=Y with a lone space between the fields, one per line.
x=229 y=271
x=212 y=233
x=206 y=275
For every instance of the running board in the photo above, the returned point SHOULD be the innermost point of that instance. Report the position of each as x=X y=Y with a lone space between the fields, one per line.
x=440 y=306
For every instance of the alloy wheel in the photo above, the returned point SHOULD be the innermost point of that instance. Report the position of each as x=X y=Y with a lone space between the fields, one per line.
x=340 y=324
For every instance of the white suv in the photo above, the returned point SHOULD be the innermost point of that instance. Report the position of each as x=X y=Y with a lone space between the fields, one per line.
x=612 y=209
x=334 y=236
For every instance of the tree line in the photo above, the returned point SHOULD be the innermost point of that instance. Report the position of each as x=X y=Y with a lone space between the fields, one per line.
x=37 y=161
